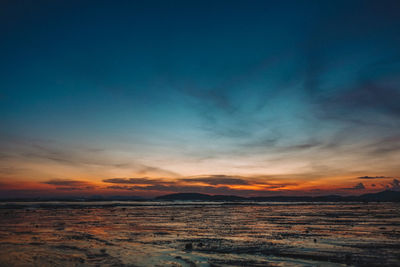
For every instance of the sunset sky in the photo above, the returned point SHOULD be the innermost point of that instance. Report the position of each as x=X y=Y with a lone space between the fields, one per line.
x=251 y=98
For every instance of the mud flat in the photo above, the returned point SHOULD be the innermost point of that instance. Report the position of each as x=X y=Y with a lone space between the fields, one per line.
x=200 y=234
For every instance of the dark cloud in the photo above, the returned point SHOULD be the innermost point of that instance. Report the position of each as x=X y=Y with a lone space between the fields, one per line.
x=71 y=188
x=213 y=184
x=359 y=186
x=70 y=185
x=131 y=180
x=65 y=182
x=373 y=177
x=211 y=180
x=186 y=189
x=120 y=187
x=299 y=147
x=316 y=190
x=394 y=185
x=218 y=180
x=139 y=181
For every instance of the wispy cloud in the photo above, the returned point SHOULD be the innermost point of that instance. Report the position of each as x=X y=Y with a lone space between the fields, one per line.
x=143 y=180
x=83 y=158
x=218 y=180
x=373 y=177
x=186 y=189
x=65 y=182
x=66 y=188
x=70 y=185
x=359 y=186
x=213 y=184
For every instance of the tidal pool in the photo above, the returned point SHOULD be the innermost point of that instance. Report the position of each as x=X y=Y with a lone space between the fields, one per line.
x=199 y=234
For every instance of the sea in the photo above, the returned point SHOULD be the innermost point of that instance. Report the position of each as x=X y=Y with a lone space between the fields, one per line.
x=193 y=233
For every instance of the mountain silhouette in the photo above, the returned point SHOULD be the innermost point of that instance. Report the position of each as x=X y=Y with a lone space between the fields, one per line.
x=384 y=196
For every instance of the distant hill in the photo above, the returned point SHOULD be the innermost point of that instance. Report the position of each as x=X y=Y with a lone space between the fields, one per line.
x=198 y=196
x=384 y=196
x=391 y=196
x=94 y=198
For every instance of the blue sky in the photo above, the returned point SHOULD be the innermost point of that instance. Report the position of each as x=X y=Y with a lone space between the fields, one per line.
x=299 y=90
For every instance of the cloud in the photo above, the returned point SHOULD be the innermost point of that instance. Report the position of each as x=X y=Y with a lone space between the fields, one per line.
x=186 y=189
x=82 y=158
x=45 y=151
x=219 y=180
x=66 y=188
x=70 y=185
x=10 y=170
x=120 y=187
x=359 y=186
x=394 y=185
x=211 y=184
x=386 y=146
x=373 y=87
x=65 y=182
x=211 y=180
x=143 y=180
x=373 y=177
x=366 y=96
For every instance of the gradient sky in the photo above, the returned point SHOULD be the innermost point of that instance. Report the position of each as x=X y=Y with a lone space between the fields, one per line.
x=221 y=97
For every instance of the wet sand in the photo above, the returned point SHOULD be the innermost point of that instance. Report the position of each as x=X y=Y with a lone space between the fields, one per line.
x=199 y=234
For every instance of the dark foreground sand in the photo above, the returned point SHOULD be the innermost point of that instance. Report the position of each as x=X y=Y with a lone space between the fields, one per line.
x=199 y=234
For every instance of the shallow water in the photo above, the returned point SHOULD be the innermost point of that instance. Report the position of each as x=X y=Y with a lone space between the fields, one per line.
x=199 y=234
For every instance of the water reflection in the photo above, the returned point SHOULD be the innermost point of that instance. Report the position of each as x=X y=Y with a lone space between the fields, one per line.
x=199 y=234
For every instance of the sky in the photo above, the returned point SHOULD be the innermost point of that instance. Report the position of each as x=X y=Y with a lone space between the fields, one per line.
x=251 y=98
